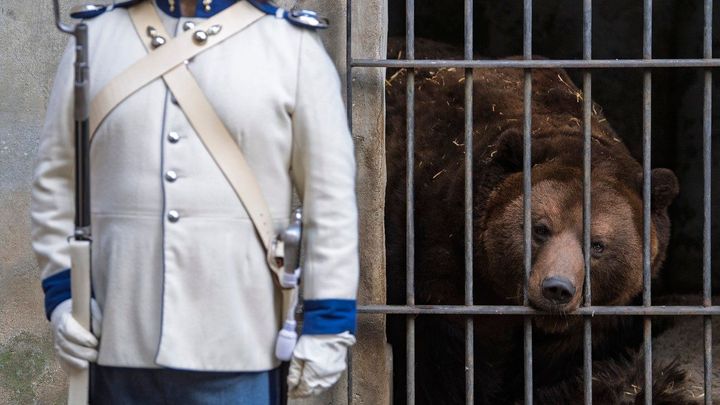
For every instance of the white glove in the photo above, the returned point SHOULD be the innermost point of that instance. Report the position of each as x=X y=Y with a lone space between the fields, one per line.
x=75 y=346
x=317 y=363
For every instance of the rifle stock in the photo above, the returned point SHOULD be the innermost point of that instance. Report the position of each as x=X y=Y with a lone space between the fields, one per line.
x=78 y=380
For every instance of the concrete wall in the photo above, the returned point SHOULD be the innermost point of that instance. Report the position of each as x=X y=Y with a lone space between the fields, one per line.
x=371 y=359
x=29 y=52
x=28 y=56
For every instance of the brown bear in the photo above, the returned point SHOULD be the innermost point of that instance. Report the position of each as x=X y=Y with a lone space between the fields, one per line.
x=556 y=279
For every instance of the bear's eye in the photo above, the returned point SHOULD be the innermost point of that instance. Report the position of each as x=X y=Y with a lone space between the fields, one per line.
x=597 y=248
x=541 y=232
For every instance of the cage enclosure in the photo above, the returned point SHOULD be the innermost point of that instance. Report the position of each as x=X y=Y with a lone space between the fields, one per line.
x=637 y=70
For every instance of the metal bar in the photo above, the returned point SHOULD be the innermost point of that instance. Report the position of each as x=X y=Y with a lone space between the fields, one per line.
x=349 y=63
x=469 y=331
x=698 y=310
x=587 y=202
x=410 y=198
x=539 y=64
x=410 y=351
x=527 y=196
x=349 y=376
x=707 y=210
x=349 y=109
x=647 y=128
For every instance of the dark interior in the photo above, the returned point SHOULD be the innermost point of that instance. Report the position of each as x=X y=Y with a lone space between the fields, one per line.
x=677 y=96
x=617 y=33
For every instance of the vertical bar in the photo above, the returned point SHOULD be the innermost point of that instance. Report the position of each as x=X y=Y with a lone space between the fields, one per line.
x=647 y=116
x=469 y=332
x=707 y=178
x=527 y=190
x=410 y=198
x=348 y=61
x=349 y=108
x=587 y=208
x=349 y=377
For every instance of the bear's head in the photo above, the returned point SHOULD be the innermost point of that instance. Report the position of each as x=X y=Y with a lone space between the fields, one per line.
x=558 y=269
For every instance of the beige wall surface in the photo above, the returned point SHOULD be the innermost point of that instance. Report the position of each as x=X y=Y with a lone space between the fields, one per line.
x=29 y=51
x=28 y=55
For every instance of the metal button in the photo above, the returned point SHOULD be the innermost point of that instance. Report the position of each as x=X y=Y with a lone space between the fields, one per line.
x=188 y=25
x=173 y=137
x=171 y=175
x=173 y=216
x=200 y=37
x=214 y=30
x=157 y=42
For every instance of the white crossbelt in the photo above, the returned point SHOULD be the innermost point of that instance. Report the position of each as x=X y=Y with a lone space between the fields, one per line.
x=168 y=62
x=165 y=58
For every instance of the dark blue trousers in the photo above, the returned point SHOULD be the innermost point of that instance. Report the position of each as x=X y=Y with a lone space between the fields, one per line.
x=130 y=386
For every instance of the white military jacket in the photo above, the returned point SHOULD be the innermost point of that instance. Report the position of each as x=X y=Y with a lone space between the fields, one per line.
x=178 y=269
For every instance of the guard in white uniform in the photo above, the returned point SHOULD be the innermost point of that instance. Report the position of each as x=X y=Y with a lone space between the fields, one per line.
x=179 y=274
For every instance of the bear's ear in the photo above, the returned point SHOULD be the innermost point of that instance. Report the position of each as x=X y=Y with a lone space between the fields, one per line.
x=509 y=151
x=664 y=187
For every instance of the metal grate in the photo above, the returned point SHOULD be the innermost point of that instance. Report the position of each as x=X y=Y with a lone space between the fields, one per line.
x=587 y=310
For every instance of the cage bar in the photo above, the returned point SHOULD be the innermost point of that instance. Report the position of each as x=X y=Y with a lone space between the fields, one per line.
x=647 y=128
x=410 y=198
x=658 y=310
x=469 y=324
x=411 y=310
x=527 y=196
x=349 y=63
x=707 y=210
x=349 y=109
x=587 y=202
x=541 y=63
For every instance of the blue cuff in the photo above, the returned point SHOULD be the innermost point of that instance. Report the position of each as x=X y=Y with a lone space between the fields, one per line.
x=57 y=290
x=328 y=317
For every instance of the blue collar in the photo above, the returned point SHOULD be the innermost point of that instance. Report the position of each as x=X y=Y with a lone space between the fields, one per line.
x=301 y=18
x=217 y=6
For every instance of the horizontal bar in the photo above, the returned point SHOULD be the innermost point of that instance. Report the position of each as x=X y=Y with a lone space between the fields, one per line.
x=538 y=64
x=521 y=310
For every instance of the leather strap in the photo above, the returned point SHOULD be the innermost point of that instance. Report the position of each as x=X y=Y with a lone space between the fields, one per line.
x=163 y=59
x=210 y=129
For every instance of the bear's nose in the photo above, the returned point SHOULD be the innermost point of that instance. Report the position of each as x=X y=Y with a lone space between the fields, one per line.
x=559 y=290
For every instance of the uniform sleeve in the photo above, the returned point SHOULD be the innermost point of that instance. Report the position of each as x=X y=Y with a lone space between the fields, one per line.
x=52 y=207
x=323 y=169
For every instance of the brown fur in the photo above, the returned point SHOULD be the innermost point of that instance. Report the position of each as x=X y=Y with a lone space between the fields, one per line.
x=557 y=198
x=621 y=382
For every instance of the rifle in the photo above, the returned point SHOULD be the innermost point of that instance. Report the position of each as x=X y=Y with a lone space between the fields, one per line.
x=80 y=241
